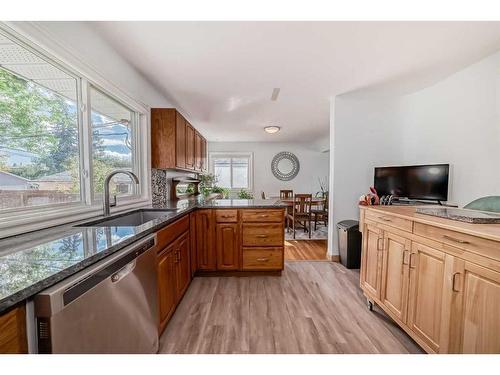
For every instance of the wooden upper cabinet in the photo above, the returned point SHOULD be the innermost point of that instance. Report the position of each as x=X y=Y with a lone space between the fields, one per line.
x=190 y=146
x=175 y=143
x=228 y=246
x=395 y=274
x=180 y=141
x=204 y=163
x=371 y=260
x=198 y=162
x=205 y=240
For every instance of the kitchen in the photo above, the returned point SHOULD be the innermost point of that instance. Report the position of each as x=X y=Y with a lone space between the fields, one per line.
x=148 y=206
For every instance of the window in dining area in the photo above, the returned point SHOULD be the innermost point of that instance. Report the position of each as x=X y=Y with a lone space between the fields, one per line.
x=232 y=170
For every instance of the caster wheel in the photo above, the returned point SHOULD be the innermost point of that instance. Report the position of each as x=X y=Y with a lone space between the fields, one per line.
x=370 y=305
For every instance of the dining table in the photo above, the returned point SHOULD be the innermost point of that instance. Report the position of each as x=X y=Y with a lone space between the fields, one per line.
x=289 y=201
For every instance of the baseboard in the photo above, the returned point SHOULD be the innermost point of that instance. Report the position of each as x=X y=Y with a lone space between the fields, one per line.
x=335 y=258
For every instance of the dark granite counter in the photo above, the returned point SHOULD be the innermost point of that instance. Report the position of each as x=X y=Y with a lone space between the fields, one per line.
x=35 y=261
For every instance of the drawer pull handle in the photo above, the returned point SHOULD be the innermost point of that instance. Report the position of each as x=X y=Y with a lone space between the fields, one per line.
x=261 y=236
x=384 y=218
x=226 y=216
x=264 y=215
x=457 y=240
x=262 y=259
x=454 y=282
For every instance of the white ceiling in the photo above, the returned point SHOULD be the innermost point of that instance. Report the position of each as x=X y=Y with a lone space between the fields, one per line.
x=222 y=74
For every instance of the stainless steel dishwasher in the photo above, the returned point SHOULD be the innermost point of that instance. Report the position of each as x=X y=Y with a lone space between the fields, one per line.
x=110 y=307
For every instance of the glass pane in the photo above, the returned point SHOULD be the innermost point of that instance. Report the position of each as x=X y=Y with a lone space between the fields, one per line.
x=39 y=145
x=111 y=144
x=240 y=173
x=222 y=170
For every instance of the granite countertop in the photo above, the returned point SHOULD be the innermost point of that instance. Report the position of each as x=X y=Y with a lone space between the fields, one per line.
x=32 y=262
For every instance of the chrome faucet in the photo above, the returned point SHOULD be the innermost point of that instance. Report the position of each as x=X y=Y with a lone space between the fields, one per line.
x=107 y=205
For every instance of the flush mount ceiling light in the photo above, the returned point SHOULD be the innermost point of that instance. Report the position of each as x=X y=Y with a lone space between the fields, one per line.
x=272 y=129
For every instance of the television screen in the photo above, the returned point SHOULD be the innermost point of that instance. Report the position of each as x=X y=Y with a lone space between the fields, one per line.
x=427 y=182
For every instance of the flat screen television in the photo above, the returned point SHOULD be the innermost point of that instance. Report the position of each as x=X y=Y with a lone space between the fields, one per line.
x=425 y=182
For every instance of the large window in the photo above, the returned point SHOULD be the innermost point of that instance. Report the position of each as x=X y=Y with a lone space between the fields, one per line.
x=232 y=170
x=60 y=135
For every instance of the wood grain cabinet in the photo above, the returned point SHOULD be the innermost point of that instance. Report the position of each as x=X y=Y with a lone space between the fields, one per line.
x=228 y=246
x=371 y=261
x=13 y=338
x=205 y=240
x=175 y=143
x=174 y=269
x=440 y=285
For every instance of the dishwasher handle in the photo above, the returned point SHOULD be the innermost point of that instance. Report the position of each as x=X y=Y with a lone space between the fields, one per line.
x=123 y=272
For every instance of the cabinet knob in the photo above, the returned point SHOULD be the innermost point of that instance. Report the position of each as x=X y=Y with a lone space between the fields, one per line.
x=262 y=259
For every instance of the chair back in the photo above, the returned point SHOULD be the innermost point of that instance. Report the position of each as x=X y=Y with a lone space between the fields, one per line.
x=263 y=195
x=325 y=203
x=286 y=194
x=302 y=203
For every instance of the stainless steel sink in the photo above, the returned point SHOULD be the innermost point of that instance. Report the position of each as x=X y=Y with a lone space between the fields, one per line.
x=130 y=219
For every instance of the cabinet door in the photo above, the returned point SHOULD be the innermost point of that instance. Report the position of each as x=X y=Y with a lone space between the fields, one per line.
x=166 y=285
x=371 y=260
x=197 y=151
x=189 y=146
x=183 y=271
x=203 y=154
x=192 y=235
x=180 y=141
x=426 y=308
x=476 y=320
x=205 y=236
x=227 y=244
x=395 y=274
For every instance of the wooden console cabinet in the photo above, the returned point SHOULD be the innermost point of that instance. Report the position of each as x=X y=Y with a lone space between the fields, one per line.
x=175 y=143
x=438 y=279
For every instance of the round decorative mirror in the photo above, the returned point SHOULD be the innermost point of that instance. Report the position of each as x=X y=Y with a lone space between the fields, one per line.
x=285 y=166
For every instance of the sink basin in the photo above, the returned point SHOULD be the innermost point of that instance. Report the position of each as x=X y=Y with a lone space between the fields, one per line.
x=130 y=219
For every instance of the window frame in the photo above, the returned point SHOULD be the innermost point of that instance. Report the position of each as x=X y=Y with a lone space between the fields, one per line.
x=15 y=221
x=212 y=155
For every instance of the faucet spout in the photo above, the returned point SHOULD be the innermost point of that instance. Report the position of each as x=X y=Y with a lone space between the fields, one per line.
x=107 y=180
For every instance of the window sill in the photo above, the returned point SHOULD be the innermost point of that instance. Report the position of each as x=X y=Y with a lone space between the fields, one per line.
x=44 y=218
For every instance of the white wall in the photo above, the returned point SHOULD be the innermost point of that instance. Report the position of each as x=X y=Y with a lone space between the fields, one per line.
x=456 y=121
x=313 y=165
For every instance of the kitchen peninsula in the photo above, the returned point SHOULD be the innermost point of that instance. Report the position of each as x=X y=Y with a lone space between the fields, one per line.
x=196 y=237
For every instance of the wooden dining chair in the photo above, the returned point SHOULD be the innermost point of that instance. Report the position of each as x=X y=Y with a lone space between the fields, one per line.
x=301 y=213
x=284 y=194
x=321 y=213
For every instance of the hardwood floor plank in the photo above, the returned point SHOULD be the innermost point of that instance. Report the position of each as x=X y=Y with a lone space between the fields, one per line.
x=306 y=250
x=314 y=307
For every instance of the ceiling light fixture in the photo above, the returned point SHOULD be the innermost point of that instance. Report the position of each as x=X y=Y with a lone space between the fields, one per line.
x=272 y=129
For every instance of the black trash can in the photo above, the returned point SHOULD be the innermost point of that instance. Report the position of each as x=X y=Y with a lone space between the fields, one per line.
x=349 y=243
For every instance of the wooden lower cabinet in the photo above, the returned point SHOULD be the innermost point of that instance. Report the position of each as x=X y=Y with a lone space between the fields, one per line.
x=174 y=276
x=166 y=285
x=427 y=314
x=475 y=319
x=371 y=261
x=13 y=338
x=395 y=274
x=205 y=240
x=446 y=302
x=228 y=246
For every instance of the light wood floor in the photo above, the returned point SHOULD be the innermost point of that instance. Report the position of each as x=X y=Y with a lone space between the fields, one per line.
x=314 y=307
x=306 y=250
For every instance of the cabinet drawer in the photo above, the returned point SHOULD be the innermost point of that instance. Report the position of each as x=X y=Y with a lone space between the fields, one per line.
x=463 y=241
x=263 y=258
x=166 y=235
x=387 y=219
x=262 y=216
x=263 y=234
x=226 y=216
